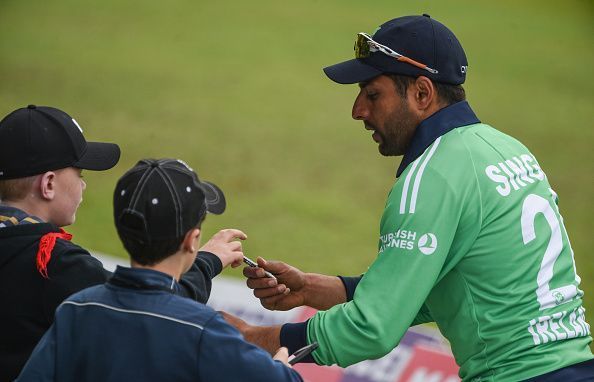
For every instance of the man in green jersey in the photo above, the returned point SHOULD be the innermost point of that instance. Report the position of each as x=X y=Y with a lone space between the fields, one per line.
x=471 y=237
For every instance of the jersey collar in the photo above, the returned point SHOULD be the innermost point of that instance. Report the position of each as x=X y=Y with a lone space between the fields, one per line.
x=443 y=121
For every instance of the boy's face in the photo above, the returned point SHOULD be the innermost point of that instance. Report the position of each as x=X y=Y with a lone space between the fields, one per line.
x=69 y=187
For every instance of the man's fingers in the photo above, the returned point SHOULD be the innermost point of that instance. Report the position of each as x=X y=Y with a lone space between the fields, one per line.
x=253 y=273
x=282 y=352
x=282 y=355
x=261 y=283
x=267 y=293
x=273 y=267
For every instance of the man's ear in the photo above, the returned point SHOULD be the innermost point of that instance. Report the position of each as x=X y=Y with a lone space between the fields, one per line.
x=47 y=186
x=188 y=244
x=425 y=94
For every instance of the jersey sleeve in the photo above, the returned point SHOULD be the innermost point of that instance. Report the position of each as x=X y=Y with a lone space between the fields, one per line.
x=424 y=316
x=350 y=285
x=416 y=233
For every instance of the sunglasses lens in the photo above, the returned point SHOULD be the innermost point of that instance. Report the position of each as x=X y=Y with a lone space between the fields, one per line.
x=361 y=47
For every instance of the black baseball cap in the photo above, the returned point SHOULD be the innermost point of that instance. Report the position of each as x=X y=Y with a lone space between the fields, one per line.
x=36 y=139
x=161 y=199
x=420 y=38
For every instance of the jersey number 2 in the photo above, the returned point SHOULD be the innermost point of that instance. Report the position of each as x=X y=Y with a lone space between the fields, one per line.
x=547 y=297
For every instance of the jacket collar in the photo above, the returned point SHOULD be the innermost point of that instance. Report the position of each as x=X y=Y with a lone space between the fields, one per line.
x=12 y=216
x=140 y=278
x=440 y=123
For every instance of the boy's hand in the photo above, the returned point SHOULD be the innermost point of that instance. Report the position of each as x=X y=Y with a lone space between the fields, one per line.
x=225 y=246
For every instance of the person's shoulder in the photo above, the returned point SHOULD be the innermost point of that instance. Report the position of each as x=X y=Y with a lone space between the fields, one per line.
x=63 y=245
x=188 y=310
x=173 y=308
x=482 y=139
x=89 y=294
x=74 y=267
x=68 y=254
x=458 y=144
x=447 y=161
x=465 y=150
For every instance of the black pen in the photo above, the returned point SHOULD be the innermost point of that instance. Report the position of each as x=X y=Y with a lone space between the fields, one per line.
x=302 y=353
x=253 y=264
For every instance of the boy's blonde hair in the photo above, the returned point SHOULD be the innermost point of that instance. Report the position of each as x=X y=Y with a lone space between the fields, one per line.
x=16 y=189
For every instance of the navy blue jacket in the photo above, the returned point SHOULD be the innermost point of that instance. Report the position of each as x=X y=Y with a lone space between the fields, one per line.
x=134 y=328
x=28 y=301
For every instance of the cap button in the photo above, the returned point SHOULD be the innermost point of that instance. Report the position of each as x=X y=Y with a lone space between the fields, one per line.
x=155 y=164
x=426 y=15
x=31 y=107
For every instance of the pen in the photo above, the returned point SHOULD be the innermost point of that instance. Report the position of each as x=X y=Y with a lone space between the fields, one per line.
x=253 y=264
x=301 y=353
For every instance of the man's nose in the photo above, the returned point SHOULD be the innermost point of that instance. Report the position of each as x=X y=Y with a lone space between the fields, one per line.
x=360 y=110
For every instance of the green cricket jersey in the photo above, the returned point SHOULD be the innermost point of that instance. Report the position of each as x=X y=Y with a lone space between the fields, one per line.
x=472 y=239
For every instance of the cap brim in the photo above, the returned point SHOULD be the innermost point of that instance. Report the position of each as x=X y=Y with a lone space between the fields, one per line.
x=351 y=72
x=99 y=156
x=215 y=199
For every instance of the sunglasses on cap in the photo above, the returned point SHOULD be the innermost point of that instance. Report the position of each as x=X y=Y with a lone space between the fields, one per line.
x=365 y=45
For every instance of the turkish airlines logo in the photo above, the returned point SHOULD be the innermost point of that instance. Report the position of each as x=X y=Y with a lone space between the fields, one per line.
x=427 y=244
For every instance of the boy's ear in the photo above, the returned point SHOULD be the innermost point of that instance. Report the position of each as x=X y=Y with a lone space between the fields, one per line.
x=190 y=240
x=47 y=185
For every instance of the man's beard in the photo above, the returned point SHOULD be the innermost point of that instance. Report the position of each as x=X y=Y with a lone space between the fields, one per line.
x=397 y=132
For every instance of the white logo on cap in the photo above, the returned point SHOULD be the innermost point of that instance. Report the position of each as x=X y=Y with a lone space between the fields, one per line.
x=77 y=125
x=464 y=69
x=185 y=164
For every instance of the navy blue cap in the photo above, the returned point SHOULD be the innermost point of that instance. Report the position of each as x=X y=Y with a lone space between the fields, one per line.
x=420 y=38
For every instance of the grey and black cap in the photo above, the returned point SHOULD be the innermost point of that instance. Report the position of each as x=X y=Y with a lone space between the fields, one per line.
x=161 y=199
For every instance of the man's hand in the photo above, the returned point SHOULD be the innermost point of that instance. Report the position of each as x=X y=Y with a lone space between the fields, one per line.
x=293 y=288
x=225 y=246
x=283 y=355
x=284 y=293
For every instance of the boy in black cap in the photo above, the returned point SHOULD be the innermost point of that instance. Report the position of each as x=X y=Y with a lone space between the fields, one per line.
x=159 y=207
x=42 y=155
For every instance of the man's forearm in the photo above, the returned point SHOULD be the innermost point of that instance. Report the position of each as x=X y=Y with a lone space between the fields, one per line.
x=266 y=337
x=320 y=292
x=323 y=292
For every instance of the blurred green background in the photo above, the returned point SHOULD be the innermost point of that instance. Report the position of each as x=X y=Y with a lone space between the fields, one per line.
x=235 y=88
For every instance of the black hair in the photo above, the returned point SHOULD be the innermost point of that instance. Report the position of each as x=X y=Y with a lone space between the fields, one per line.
x=158 y=250
x=449 y=94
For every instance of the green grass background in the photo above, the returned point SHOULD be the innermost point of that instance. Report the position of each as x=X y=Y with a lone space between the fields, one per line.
x=235 y=88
